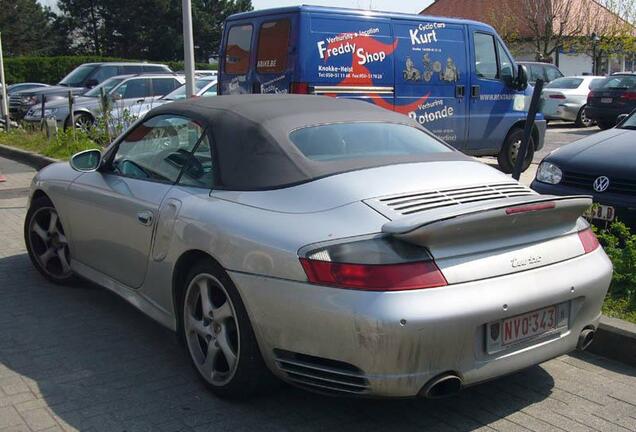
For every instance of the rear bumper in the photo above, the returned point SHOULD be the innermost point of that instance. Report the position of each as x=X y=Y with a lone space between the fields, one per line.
x=606 y=114
x=401 y=340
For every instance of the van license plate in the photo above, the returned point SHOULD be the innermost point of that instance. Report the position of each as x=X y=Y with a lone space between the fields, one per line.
x=606 y=100
x=504 y=333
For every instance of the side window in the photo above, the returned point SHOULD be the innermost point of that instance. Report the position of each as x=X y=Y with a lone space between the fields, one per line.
x=536 y=72
x=104 y=72
x=273 y=40
x=237 y=51
x=211 y=91
x=163 y=86
x=157 y=149
x=552 y=73
x=134 y=88
x=485 y=56
x=198 y=171
x=131 y=69
x=505 y=63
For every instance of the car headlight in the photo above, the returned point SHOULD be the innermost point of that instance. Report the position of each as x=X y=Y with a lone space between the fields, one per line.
x=549 y=173
x=29 y=100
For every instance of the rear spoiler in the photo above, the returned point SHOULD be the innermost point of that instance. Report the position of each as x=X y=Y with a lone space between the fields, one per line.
x=505 y=218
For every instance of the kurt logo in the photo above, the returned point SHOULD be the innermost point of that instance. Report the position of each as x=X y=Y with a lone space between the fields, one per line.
x=418 y=38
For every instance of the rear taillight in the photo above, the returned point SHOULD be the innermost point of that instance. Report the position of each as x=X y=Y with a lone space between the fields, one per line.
x=299 y=88
x=590 y=95
x=557 y=96
x=531 y=208
x=378 y=264
x=588 y=240
x=628 y=96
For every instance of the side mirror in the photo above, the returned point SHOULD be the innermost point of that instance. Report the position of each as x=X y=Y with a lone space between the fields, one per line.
x=521 y=80
x=91 y=83
x=116 y=96
x=86 y=161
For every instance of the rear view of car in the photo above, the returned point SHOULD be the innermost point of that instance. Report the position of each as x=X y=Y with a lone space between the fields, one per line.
x=613 y=97
x=565 y=99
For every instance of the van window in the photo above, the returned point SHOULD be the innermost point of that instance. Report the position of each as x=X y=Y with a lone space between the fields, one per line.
x=505 y=62
x=237 y=51
x=105 y=72
x=485 y=56
x=271 y=56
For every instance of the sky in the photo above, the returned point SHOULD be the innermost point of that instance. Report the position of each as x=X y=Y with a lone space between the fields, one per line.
x=409 y=6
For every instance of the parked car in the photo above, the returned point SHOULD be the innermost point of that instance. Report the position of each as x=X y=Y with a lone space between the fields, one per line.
x=203 y=85
x=614 y=96
x=545 y=71
x=337 y=245
x=14 y=89
x=447 y=74
x=601 y=165
x=125 y=92
x=565 y=99
x=78 y=81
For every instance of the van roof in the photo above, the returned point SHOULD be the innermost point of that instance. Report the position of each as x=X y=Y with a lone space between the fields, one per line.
x=360 y=12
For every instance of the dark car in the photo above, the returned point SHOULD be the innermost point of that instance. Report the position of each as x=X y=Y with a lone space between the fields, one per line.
x=78 y=81
x=611 y=98
x=546 y=71
x=602 y=165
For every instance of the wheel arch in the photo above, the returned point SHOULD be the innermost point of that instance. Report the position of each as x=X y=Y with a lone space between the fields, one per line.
x=40 y=194
x=520 y=124
x=76 y=113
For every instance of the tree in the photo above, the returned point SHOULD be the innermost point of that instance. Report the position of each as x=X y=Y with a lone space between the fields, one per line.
x=26 y=28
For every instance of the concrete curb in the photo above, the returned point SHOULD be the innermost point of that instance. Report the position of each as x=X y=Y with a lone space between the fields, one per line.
x=615 y=339
x=32 y=159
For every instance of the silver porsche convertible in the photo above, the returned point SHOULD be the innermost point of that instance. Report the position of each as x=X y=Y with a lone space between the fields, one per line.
x=330 y=243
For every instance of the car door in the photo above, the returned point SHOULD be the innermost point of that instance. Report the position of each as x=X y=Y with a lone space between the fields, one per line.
x=131 y=95
x=114 y=210
x=494 y=105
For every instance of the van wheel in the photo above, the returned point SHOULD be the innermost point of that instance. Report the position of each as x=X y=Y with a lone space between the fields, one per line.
x=507 y=156
x=582 y=120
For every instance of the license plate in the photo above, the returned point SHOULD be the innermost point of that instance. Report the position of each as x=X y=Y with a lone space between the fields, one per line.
x=606 y=100
x=510 y=331
x=602 y=212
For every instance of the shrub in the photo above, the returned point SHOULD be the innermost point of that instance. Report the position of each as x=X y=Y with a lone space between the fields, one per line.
x=51 y=70
x=620 y=245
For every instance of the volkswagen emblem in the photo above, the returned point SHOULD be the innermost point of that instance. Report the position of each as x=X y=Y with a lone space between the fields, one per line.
x=601 y=184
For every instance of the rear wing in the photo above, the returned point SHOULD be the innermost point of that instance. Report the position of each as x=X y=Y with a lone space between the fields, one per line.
x=505 y=220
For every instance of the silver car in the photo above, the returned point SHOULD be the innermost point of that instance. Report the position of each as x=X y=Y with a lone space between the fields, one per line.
x=565 y=99
x=124 y=91
x=330 y=243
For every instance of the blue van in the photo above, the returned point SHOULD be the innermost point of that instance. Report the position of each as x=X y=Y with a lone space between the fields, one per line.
x=455 y=77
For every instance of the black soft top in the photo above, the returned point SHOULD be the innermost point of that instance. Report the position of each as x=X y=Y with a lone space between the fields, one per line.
x=252 y=147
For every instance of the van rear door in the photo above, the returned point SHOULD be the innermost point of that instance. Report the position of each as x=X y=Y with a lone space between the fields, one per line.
x=274 y=54
x=348 y=56
x=236 y=64
x=431 y=77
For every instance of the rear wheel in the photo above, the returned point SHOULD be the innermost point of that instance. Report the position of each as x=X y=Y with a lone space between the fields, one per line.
x=46 y=242
x=219 y=336
x=582 y=120
x=604 y=124
x=507 y=157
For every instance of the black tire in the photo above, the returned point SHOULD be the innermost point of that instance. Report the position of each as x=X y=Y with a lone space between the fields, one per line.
x=582 y=120
x=250 y=375
x=604 y=124
x=53 y=269
x=507 y=155
x=82 y=121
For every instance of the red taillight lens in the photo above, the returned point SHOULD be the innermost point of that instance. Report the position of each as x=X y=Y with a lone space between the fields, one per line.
x=590 y=95
x=530 y=208
x=588 y=240
x=382 y=277
x=299 y=88
x=557 y=96
x=628 y=96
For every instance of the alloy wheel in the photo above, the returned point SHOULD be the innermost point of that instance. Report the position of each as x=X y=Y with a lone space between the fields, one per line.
x=211 y=329
x=49 y=244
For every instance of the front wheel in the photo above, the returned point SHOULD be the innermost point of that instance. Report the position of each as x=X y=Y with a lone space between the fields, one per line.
x=507 y=156
x=46 y=242
x=582 y=120
x=219 y=336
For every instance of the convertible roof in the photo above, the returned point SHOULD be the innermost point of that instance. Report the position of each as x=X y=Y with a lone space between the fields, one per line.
x=251 y=136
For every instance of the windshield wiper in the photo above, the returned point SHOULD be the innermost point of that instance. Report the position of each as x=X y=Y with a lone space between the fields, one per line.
x=629 y=127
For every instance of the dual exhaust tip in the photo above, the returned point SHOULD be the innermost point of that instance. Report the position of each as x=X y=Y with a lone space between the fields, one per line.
x=449 y=384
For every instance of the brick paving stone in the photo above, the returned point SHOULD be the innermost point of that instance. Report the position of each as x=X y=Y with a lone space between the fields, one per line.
x=80 y=358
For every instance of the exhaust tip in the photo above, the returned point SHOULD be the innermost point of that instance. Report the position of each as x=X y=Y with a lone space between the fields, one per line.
x=442 y=386
x=585 y=339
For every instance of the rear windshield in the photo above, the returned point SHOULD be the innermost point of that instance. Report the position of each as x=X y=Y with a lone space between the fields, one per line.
x=565 y=83
x=350 y=141
x=621 y=82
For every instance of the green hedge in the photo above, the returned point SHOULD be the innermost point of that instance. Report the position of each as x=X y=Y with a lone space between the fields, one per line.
x=50 y=70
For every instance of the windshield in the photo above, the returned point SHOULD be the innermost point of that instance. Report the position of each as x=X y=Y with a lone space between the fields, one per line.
x=77 y=76
x=350 y=141
x=565 y=83
x=619 y=82
x=106 y=85
x=630 y=122
x=180 y=92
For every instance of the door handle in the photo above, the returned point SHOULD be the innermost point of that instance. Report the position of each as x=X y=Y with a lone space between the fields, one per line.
x=474 y=91
x=460 y=91
x=145 y=217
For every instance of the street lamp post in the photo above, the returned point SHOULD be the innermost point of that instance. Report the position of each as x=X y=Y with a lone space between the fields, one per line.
x=188 y=47
x=595 y=40
x=5 y=105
